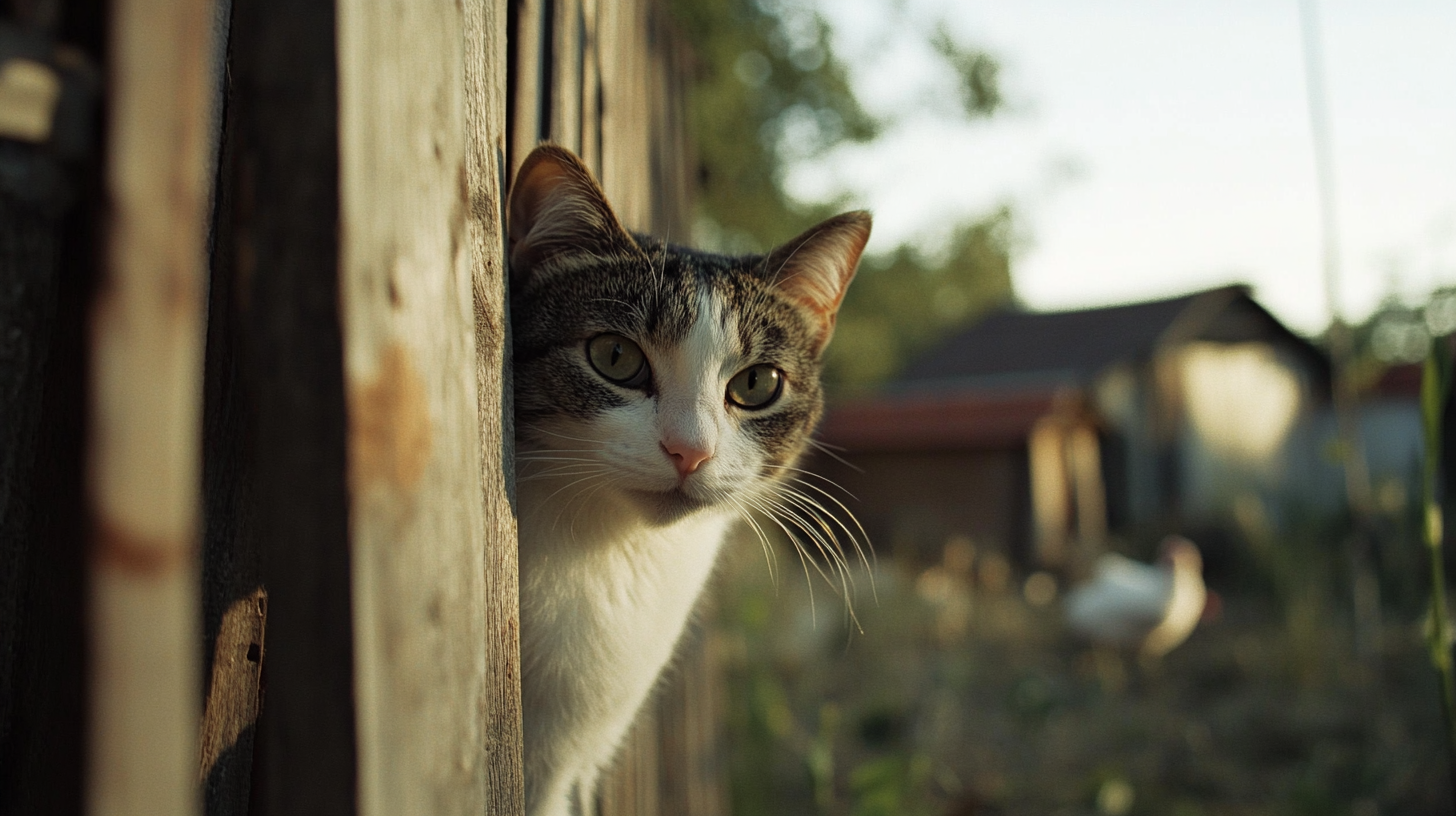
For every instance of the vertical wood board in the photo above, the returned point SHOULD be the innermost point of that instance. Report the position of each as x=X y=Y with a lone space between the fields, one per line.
x=144 y=477
x=485 y=109
x=282 y=196
x=414 y=441
x=566 y=72
x=530 y=82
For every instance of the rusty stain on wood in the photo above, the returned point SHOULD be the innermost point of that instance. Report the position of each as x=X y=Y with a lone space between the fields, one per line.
x=390 y=432
x=138 y=554
x=233 y=696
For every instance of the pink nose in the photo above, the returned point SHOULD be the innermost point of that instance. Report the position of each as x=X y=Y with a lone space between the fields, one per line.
x=685 y=457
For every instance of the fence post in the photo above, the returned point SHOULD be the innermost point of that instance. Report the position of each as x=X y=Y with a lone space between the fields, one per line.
x=144 y=464
x=486 y=166
x=417 y=514
x=277 y=451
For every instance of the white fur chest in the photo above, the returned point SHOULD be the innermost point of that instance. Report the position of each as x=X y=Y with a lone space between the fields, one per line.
x=604 y=600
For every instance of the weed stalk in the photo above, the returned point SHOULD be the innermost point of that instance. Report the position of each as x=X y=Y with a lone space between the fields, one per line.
x=1435 y=385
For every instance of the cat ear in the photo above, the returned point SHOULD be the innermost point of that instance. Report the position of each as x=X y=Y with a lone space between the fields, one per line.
x=816 y=267
x=556 y=209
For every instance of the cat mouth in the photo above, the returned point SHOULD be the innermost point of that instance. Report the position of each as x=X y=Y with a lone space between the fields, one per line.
x=668 y=505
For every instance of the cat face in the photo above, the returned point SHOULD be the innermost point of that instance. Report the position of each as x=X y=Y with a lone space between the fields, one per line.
x=671 y=379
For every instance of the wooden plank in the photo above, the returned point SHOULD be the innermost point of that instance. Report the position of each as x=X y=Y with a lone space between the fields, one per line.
x=530 y=82
x=485 y=109
x=235 y=689
x=625 y=125
x=416 y=516
x=282 y=193
x=630 y=787
x=566 y=70
x=691 y=714
x=144 y=464
x=591 y=87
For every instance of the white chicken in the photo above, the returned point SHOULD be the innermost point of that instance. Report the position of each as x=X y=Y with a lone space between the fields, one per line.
x=1150 y=608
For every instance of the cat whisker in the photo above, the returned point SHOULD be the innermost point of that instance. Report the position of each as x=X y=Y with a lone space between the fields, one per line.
x=746 y=514
x=830 y=451
x=592 y=484
x=559 y=435
x=532 y=454
x=862 y=534
x=768 y=512
x=557 y=473
x=787 y=507
x=569 y=485
x=531 y=460
x=869 y=561
x=809 y=516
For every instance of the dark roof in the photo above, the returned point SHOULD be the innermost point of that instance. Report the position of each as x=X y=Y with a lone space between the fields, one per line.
x=1039 y=350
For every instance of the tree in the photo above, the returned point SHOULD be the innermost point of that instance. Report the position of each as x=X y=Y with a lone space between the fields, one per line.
x=769 y=90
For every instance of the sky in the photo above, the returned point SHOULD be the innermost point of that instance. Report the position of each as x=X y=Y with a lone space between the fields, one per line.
x=1156 y=148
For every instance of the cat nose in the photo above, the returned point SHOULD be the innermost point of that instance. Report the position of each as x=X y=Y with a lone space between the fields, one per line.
x=686 y=458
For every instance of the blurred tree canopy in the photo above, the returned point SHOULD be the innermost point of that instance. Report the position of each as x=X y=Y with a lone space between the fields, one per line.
x=903 y=302
x=769 y=90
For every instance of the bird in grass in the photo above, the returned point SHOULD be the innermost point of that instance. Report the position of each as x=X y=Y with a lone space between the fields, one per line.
x=1149 y=608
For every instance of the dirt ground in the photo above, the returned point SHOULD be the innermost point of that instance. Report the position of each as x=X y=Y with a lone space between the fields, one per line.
x=954 y=695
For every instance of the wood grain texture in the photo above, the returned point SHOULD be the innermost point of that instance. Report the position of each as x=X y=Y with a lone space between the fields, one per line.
x=146 y=377
x=691 y=717
x=416 y=517
x=591 y=85
x=235 y=689
x=530 y=81
x=626 y=138
x=566 y=73
x=485 y=109
x=630 y=786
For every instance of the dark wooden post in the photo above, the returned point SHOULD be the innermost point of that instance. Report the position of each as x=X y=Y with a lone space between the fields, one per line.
x=276 y=480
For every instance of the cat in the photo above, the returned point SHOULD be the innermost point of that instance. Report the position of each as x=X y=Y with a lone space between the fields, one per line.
x=661 y=394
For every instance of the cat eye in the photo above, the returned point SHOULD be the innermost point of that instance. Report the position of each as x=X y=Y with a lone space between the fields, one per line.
x=618 y=359
x=755 y=386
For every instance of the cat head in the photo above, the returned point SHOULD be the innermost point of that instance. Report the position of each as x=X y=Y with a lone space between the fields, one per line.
x=673 y=378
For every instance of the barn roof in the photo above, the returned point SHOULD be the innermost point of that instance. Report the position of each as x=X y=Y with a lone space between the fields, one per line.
x=1011 y=349
x=986 y=386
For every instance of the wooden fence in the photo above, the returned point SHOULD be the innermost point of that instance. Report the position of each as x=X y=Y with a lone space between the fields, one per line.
x=256 y=526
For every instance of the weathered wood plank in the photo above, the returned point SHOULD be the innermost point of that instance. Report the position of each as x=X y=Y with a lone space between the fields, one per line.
x=236 y=685
x=144 y=463
x=630 y=787
x=591 y=86
x=625 y=124
x=566 y=71
x=485 y=109
x=530 y=81
x=691 y=714
x=416 y=516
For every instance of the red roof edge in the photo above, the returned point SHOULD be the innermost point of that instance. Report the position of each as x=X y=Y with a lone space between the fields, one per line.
x=949 y=421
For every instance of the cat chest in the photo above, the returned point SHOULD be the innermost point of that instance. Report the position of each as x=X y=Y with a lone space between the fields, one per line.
x=622 y=603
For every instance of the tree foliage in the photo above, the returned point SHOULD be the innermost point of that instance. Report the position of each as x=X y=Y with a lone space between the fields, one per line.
x=768 y=91
x=767 y=88
x=904 y=301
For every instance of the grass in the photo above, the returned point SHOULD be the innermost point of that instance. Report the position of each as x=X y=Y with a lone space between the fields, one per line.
x=960 y=698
